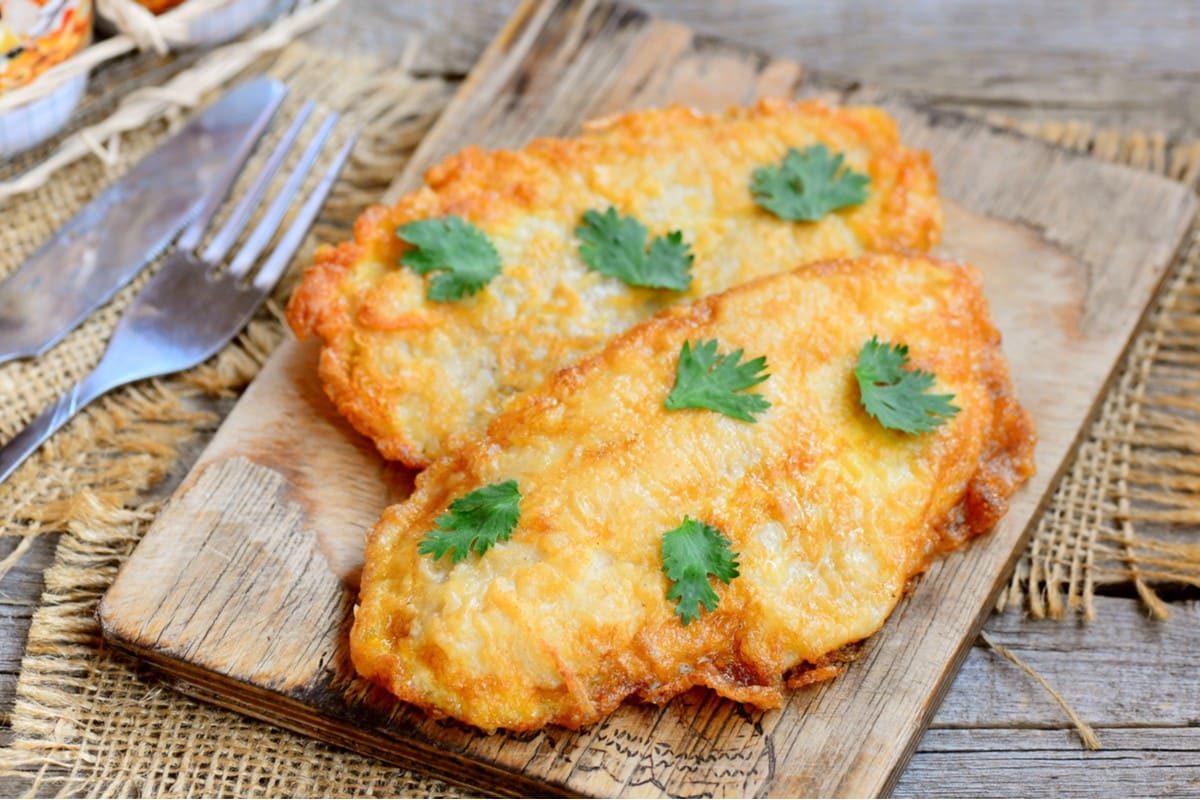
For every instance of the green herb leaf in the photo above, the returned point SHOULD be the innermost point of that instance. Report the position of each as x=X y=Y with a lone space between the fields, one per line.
x=461 y=255
x=704 y=379
x=475 y=522
x=897 y=396
x=616 y=246
x=808 y=185
x=691 y=553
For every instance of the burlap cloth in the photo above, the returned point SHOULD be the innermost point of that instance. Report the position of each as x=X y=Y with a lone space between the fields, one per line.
x=90 y=721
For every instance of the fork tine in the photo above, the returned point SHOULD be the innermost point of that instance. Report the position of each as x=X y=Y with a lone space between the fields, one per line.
x=257 y=241
x=190 y=238
x=282 y=256
x=223 y=241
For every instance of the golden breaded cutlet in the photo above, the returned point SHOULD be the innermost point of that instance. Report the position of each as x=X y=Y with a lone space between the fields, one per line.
x=416 y=375
x=830 y=513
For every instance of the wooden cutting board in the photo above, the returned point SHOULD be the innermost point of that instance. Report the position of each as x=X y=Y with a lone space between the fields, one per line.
x=243 y=588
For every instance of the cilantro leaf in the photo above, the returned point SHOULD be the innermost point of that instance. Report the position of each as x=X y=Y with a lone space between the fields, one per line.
x=705 y=380
x=475 y=522
x=461 y=255
x=691 y=553
x=808 y=184
x=897 y=396
x=616 y=246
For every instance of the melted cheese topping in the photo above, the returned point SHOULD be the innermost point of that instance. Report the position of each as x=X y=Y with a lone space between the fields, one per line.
x=831 y=514
x=417 y=375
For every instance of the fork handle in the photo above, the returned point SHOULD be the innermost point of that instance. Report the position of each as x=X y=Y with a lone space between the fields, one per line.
x=23 y=445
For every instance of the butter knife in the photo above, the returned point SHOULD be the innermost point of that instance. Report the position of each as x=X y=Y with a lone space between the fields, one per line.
x=109 y=241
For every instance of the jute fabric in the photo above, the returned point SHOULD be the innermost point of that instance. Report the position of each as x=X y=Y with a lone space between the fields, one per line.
x=1127 y=512
x=89 y=721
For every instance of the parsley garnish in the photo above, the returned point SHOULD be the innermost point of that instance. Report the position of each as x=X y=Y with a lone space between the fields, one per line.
x=808 y=185
x=897 y=396
x=616 y=246
x=691 y=553
x=475 y=522
x=461 y=255
x=705 y=380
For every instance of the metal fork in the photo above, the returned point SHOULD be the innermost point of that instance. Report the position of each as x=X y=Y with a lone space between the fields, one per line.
x=192 y=308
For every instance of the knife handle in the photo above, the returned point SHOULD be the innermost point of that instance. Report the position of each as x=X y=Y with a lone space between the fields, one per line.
x=23 y=445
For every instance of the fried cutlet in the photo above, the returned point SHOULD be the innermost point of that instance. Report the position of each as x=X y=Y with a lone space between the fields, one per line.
x=830 y=513
x=416 y=375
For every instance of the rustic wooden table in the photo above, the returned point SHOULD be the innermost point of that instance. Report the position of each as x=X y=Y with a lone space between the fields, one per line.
x=1121 y=65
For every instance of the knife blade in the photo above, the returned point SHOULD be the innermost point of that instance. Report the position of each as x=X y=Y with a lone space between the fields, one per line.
x=120 y=231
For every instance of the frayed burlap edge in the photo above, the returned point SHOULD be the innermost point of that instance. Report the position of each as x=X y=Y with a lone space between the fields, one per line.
x=87 y=722
x=1127 y=509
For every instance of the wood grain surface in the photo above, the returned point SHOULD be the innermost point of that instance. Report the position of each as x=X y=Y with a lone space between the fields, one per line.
x=243 y=587
x=1106 y=62
x=1117 y=65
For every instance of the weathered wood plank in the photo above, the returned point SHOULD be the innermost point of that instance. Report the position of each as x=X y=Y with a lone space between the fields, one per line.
x=1124 y=669
x=268 y=536
x=1124 y=657
x=1134 y=762
x=986 y=54
x=19 y=592
x=917 y=57
x=1112 y=63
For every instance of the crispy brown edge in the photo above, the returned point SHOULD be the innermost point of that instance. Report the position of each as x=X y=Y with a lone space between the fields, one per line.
x=1003 y=467
x=911 y=216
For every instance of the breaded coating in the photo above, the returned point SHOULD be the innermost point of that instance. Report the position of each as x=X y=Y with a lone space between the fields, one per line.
x=416 y=375
x=830 y=513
